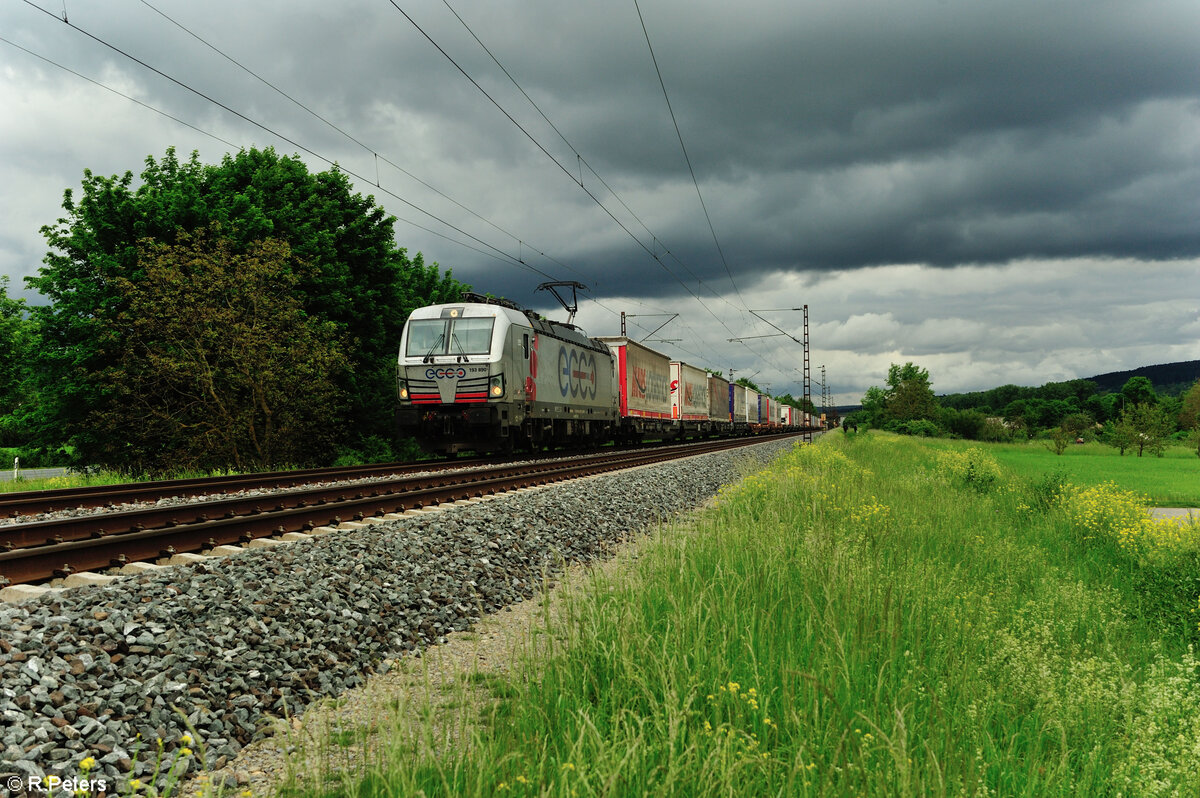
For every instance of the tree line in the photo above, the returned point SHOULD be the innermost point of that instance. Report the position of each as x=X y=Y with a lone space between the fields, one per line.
x=1137 y=418
x=240 y=315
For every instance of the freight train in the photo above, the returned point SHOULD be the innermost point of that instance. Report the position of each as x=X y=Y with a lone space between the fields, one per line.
x=485 y=375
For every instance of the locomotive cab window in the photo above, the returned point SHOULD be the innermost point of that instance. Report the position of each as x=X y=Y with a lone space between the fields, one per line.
x=471 y=336
x=445 y=336
x=426 y=337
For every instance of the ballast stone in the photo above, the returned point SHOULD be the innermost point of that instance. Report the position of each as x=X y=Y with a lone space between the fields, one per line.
x=233 y=640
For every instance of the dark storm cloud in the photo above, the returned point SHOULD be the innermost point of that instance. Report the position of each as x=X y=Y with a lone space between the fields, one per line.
x=868 y=134
x=827 y=139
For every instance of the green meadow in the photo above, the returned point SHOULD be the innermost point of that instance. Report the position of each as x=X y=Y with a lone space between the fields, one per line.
x=870 y=616
x=1172 y=480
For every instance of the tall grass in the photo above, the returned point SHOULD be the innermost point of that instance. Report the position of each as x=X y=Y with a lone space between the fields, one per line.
x=867 y=617
x=69 y=480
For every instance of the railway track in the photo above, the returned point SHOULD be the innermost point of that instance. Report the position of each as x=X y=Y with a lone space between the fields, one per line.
x=42 y=550
x=33 y=502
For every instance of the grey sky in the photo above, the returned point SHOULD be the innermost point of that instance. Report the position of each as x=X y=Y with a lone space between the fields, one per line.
x=999 y=191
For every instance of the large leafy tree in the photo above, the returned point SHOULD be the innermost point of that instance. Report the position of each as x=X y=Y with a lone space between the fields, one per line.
x=15 y=345
x=1144 y=426
x=355 y=276
x=910 y=393
x=874 y=406
x=800 y=403
x=215 y=364
x=1139 y=390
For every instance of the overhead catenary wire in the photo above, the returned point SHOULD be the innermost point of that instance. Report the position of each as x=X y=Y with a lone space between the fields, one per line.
x=376 y=155
x=686 y=158
x=489 y=249
x=503 y=256
x=119 y=93
x=549 y=155
x=211 y=135
x=580 y=160
x=583 y=161
x=518 y=261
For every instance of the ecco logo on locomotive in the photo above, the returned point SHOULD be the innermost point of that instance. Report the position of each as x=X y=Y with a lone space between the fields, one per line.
x=445 y=374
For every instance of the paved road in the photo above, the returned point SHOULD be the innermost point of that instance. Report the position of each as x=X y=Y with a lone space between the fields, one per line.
x=6 y=474
x=1182 y=513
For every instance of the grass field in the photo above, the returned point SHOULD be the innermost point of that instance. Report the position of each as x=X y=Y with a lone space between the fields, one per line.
x=1169 y=481
x=875 y=616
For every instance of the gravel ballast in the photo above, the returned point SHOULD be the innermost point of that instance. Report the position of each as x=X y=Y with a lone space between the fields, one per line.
x=230 y=643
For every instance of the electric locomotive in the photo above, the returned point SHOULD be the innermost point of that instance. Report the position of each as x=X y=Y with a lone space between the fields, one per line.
x=485 y=374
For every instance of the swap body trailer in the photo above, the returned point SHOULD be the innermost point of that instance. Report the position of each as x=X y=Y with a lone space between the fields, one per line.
x=720 y=407
x=689 y=398
x=643 y=390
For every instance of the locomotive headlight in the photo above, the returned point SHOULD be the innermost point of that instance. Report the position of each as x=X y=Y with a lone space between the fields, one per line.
x=496 y=386
x=402 y=389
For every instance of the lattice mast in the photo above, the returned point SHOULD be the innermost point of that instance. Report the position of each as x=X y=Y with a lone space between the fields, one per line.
x=807 y=379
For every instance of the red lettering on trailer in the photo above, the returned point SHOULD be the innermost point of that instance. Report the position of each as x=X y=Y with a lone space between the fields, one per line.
x=639 y=382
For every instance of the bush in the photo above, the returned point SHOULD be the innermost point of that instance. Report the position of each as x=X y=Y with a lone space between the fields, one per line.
x=377 y=449
x=966 y=424
x=972 y=468
x=1049 y=490
x=32 y=457
x=918 y=427
x=994 y=431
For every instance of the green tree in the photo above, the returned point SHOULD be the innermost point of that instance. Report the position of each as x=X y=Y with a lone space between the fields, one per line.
x=910 y=394
x=1189 y=410
x=967 y=424
x=874 y=407
x=214 y=363
x=1139 y=390
x=1118 y=435
x=1189 y=415
x=1096 y=407
x=1144 y=426
x=15 y=345
x=356 y=277
x=1060 y=439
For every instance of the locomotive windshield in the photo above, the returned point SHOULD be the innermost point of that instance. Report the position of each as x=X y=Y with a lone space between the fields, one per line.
x=449 y=336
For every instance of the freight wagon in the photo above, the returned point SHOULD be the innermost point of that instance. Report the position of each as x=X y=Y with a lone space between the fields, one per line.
x=752 y=406
x=643 y=384
x=689 y=398
x=737 y=403
x=720 y=405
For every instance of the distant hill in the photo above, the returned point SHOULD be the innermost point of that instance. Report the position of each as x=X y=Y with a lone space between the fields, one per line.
x=1168 y=378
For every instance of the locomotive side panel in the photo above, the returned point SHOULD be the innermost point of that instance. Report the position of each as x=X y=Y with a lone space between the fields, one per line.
x=571 y=381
